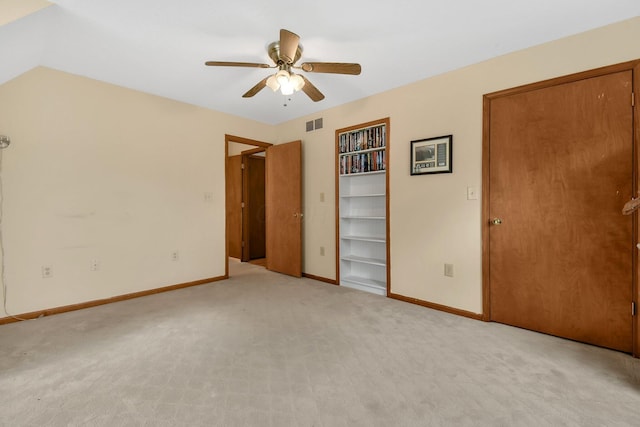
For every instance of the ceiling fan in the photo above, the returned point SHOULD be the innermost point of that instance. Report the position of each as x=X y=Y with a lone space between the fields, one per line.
x=284 y=54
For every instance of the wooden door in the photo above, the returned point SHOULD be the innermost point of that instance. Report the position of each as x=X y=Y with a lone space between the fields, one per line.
x=234 y=205
x=284 y=208
x=255 y=207
x=560 y=170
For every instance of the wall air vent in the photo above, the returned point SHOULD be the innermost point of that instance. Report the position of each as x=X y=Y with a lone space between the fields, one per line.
x=314 y=124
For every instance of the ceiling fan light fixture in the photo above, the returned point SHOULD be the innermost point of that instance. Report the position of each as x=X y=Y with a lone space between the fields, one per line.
x=287 y=82
x=287 y=88
x=272 y=83
x=283 y=77
x=296 y=81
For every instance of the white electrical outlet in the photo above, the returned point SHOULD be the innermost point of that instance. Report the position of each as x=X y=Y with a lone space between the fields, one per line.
x=448 y=270
x=175 y=256
x=208 y=197
x=95 y=265
x=47 y=271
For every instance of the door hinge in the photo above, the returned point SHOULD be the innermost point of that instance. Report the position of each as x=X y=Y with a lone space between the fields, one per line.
x=243 y=243
x=242 y=205
x=633 y=99
x=633 y=308
x=241 y=165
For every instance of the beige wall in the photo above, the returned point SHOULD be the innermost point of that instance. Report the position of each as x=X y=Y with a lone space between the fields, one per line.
x=11 y=10
x=96 y=171
x=432 y=222
x=101 y=172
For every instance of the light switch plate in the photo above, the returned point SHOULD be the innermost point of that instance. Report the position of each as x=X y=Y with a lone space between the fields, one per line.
x=472 y=193
x=448 y=270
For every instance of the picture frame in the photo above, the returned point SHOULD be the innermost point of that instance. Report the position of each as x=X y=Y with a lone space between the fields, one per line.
x=432 y=155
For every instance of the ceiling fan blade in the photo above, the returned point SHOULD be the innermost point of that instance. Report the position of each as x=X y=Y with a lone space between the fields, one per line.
x=236 y=64
x=332 y=67
x=257 y=88
x=311 y=91
x=288 y=45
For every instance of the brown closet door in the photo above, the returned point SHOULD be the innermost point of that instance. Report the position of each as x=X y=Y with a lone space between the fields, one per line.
x=560 y=169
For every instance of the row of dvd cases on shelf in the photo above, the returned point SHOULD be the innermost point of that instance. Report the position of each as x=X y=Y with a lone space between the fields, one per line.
x=363 y=139
x=372 y=161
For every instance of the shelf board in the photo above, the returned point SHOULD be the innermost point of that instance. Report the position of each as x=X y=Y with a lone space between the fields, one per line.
x=363 y=260
x=362 y=217
x=368 y=150
x=344 y=175
x=364 y=284
x=365 y=238
x=353 y=196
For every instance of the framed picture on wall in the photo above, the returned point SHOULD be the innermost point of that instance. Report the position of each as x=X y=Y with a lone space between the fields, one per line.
x=432 y=155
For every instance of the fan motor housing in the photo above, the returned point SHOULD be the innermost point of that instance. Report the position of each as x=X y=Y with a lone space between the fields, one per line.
x=274 y=53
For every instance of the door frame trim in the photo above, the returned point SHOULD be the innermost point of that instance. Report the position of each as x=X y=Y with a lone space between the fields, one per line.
x=261 y=146
x=634 y=67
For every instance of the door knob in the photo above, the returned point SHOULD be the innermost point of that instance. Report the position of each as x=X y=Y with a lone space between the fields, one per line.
x=496 y=221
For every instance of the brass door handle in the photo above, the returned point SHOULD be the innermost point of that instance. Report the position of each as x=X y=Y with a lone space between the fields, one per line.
x=496 y=221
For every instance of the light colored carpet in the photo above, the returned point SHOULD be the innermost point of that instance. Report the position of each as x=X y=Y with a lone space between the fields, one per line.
x=262 y=349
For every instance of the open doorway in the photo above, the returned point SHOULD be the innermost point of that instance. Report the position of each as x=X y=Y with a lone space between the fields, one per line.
x=245 y=200
x=245 y=188
x=283 y=202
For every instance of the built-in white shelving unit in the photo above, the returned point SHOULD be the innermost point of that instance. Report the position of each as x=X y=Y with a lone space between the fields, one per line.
x=362 y=208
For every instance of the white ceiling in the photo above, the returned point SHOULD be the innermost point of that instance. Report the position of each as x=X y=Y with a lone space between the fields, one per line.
x=160 y=46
